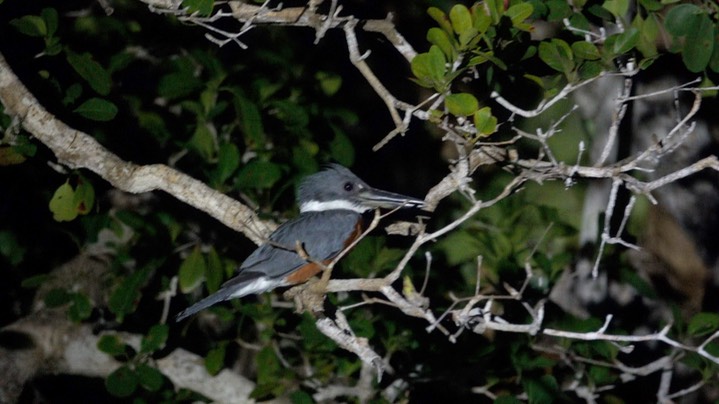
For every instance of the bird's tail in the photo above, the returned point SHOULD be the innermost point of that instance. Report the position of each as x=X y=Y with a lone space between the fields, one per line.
x=245 y=283
x=219 y=296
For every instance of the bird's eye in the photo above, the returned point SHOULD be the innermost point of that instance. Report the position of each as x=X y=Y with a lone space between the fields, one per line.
x=349 y=186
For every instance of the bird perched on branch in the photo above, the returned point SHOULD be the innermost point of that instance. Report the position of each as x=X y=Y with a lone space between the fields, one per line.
x=331 y=203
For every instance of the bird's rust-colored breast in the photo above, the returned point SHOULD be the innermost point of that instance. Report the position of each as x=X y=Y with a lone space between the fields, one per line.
x=307 y=271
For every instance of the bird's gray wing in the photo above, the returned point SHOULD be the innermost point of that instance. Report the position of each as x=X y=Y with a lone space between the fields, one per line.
x=322 y=234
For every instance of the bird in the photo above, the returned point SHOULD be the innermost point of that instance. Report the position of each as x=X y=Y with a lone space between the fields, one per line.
x=331 y=202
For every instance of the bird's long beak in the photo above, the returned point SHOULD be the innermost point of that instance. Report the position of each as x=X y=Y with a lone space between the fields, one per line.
x=378 y=198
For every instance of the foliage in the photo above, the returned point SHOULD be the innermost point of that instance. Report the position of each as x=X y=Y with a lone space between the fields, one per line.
x=252 y=123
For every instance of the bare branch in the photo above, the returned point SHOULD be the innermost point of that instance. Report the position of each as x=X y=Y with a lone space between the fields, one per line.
x=341 y=334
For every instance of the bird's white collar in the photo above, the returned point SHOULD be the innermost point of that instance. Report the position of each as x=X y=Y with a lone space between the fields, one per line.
x=337 y=204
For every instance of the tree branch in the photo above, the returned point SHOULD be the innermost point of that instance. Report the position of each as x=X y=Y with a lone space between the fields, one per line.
x=77 y=149
x=60 y=346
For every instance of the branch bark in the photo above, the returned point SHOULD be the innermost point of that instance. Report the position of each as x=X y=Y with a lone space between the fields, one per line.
x=56 y=345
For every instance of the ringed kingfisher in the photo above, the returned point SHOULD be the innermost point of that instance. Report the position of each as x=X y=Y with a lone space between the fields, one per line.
x=331 y=204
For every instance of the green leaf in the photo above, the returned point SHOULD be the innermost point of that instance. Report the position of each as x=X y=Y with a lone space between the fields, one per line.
x=585 y=50
x=122 y=382
x=712 y=348
x=714 y=61
x=259 y=174
x=214 y=271
x=150 y=378
x=496 y=8
x=52 y=46
x=466 y=38
x=28 y=283
x=460 y=246
x=192 y=271
x=24 y=146
x=67 y=202
x=706 y=83
x=485 y=122
x=440 y=38
x=111 y=345
x=518 y=13
x=541 y=390
x=341 y=148
x=624 y=42
x=483 y=57
x=312 y=339
x=559 y=9
x=460 y=18
x=430 y=68
x=72 y=93
x=215 y=360
x=303 y=157
x=557 y=54
x=618 y=8
x=251 y=121
x=228 y=160
x=590 y=69
x=10 y=156
x=301 y=397
x=693 y=33
x=649 y=31
x=62 y=204
x=126 y=295
x=330 y=83
x=291 y=113
x=651 y=5
x=267 y=366
x=461 y=104
x=699 y=45
x=155 y=338
x=97 y=109
x=203 y=7
x=80 y=309
x=525 y=360
x=208 y=100
x=703 y=324
x=265 y=391
x=481 y=19
x=84 y=198
x=92 y=72
x=178 y=85
x=441 y=18
x=682 y=19
x=437 y=63
x=49 y=15
x=131 y=219
x=580 y=21
x=57 y=297
x=30 y=25
x=601 y=375
x=11 y=249
x=120 y=61
x=154 y=124
x=203 y=140
x=421 y=67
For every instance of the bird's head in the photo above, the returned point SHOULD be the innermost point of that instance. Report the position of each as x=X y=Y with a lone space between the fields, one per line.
x=336 y=187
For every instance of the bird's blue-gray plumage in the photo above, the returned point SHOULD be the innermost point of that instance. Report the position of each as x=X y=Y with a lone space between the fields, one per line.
x=268 y=265
x=279 y=257
x=331 y=203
